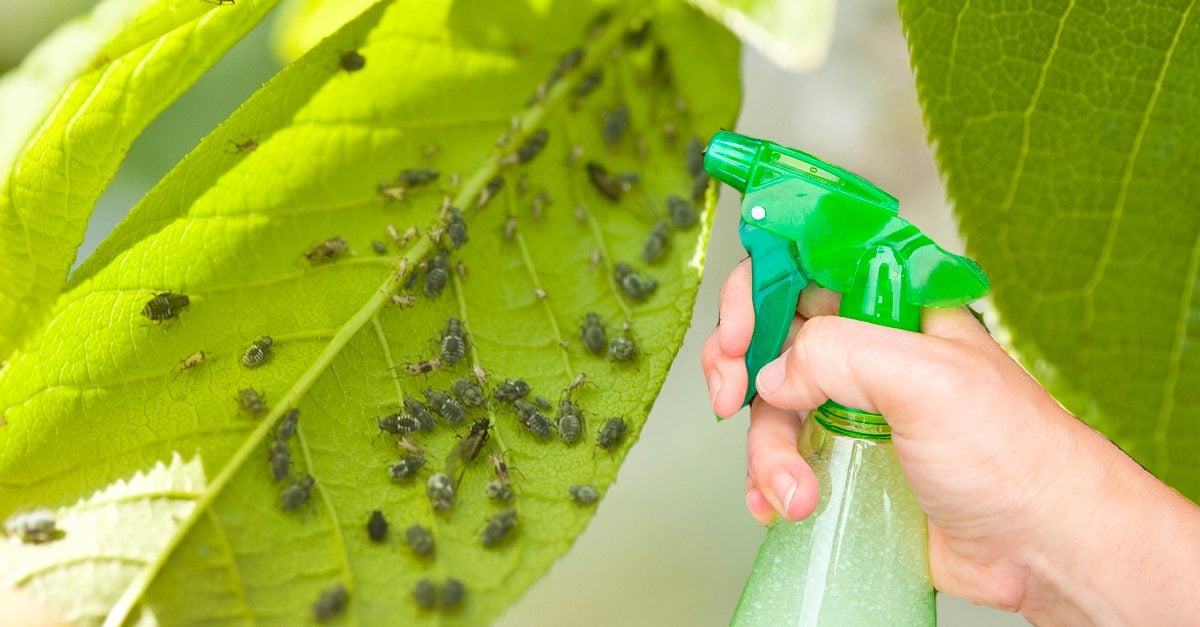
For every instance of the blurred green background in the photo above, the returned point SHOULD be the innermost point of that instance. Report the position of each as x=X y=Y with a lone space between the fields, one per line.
x=672 y=542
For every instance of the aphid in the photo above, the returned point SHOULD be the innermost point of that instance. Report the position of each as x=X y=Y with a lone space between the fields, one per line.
x=441 y=492
x=682 y=213
x=480 y=374
x=251 y=401
x=635 y=285
x=398 y=424
x=584 y=494
x=569 y=420
x=510 y=228
x=575 y=154
x=246 y=145
x=467 y=449
x=533 y=419
x=258 y=353
x=281 y=459
x=287 y=424
x=430 y=151
x=497 y=491
x=438 y=274
x=594 y=336
x=423 y=367
x=420 y=540
x=597 y=258
x=34 y=527
x=406 y=467
x=446 y=407
x=410 y=234
x=468 y=392
x=539 y=293
x=542 y=402
x=511 y=389
x=611 y=433
x=410 y=446
x=699 y=186
x=693 y=156
x=391 y=192
x=565 y=64
x=616 y=124
x=330 y=603
x=327 y=250
x=296 y=493
x=377 y=527
x=489 y=191
x=191 y=361
x=580 y=213
x=453 y=342
x=609 y=185
x=165 y=306
x=501 y=468
x=575 y=384
x=589 y=82
x=453 y=592
x=420 y=411
x=522 y=182
x=635 y=37
x=403 y=300
x=379 y=247
x=498 y=527
x=656 y=243
x=540 y=201
x=533 y=146
x=416 y=177
x=425 y=593
x=352 y=61
x=622 y=349
x=456 y=228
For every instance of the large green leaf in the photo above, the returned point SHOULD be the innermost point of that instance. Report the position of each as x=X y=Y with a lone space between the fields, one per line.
x=1065 y=132
x=70 y=112
x=99 y=394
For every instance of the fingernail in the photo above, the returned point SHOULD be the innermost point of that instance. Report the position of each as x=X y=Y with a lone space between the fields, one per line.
x=785 y=489
x=714 y=385
x=771 y=376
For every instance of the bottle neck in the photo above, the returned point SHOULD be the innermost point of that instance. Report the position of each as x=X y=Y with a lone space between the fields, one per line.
x=851 y=422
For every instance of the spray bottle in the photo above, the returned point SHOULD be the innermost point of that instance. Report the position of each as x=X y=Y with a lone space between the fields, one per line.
x=862 y=557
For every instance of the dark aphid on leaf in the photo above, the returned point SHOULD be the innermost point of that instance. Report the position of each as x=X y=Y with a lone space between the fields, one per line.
x=296 y=493
x=330 y=603
x=423 y=367
x=693 y=156
x=493 y=187
x=193 y=360
x=327 y=250
x=453 y=342
x=533 y=419
x=533 y=146
x=377 y=527
x=287 y=424
x=611 y=433
x=469 y=393
x=398 y=424
x=246 y=145
x=258 y=353
x=425 y=593
x=616 y=124
x=589 y=83
x=569 y=420
x=623 y=349
x=406 y=467
x=165 y=306
x=379 y=247
x=604 y=182
x=416 y=177
x=699 y=187
x=569 y=61
x=632 y=283
x=497 y=491
x=542 y=402
x=438 y=274
x=441 y=492
x=352 y=61
x=682 y=213
x=456 y=228
x=420 y=411
x=467 y=449
x=656 y=243
x=35 y=527
x=637 y=35
x=281 y=459
x=420 y=540
x=446 y=407
x=499 y=527
x=453 y=592
x=510 y=390
x=251 y=401
x=584 y=494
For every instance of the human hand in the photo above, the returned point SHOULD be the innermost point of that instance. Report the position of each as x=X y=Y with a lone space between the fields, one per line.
x=1020 y=495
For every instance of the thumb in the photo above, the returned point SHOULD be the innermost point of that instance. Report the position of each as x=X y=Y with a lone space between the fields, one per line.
x=875 y=368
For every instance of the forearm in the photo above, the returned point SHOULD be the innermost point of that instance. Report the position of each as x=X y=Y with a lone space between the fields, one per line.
x=1127 y=551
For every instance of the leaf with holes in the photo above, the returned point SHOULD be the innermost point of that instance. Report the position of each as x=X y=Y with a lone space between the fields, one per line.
x=558 y=134
x=70 y=112
x=1064 y=132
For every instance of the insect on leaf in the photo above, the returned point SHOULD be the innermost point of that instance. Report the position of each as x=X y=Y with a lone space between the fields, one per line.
x=434 y=109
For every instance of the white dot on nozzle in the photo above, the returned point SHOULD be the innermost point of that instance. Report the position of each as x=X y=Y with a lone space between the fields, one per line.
x=757 y=212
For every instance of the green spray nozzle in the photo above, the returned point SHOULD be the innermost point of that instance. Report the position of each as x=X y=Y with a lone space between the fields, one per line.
x=806 y=221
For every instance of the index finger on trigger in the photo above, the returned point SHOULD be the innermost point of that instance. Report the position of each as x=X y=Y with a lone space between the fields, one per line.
x=736 y=325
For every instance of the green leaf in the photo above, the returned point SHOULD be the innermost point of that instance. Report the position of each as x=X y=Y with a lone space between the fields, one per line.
x=71 y=110
x=1064 y=133
x=100 y=392
x=795 y=34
